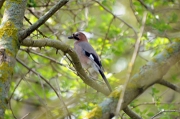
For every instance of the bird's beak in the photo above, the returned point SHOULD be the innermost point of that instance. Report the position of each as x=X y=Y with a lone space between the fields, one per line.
x=71 y=37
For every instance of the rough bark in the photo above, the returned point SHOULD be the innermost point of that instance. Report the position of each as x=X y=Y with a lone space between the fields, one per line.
x=149 y=74
x=9 y=45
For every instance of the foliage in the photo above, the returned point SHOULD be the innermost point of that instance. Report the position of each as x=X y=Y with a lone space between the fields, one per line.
x=113 y=38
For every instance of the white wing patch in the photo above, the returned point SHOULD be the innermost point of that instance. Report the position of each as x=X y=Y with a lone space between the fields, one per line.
x=91 y=57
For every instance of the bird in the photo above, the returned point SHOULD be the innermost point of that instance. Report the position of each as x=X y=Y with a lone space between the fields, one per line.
x=88 y=56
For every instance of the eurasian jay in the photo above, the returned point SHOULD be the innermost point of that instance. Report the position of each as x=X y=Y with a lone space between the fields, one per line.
x=87 y=56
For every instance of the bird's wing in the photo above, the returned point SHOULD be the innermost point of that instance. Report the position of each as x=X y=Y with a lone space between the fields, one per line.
x=88 y=51
x=91 y=54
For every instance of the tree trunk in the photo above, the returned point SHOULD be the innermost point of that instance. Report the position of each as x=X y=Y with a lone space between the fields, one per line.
x=9 y=45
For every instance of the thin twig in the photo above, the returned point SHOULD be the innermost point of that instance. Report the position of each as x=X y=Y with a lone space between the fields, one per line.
x=38 y=97
x=13 y=93
x=51 y=30
x=131 y=114
x=37 y=29
x=42 y=20
x=163 y=112
x=106 y=35
x=115 y=16
x=138 y=41
x=134 y=11
x=169 y=85
x=154 y=103
x=145 y=6
x=25 y=116
x=49 y=58
x=151 y=103
x=59 y=96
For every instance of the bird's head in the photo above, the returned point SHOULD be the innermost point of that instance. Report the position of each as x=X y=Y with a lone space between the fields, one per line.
x=79 y=36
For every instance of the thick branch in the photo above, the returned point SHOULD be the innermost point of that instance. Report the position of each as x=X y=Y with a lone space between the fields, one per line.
x=66 y=49
x=149 y=74
x=42 y=20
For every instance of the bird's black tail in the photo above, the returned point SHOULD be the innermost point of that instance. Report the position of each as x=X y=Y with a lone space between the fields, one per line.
x=106 y=81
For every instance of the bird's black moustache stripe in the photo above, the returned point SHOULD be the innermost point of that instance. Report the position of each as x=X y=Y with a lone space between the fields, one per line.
x=76 y=38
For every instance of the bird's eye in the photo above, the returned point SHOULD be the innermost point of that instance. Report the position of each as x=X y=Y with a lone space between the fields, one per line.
x=77 y=34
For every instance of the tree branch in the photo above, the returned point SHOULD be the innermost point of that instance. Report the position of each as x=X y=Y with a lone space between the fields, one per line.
x=158 y=66
x=1 y=3
x=46 y=57
x=36 y=29
x=131 y=64
x=134 y=30
x=163 y=112
x=10 y=97
x=42 y=20
x=153 y=103
x=45 y=80
x=130 y=113
x=144 y=5
x=170 y=85
x=66 y=49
